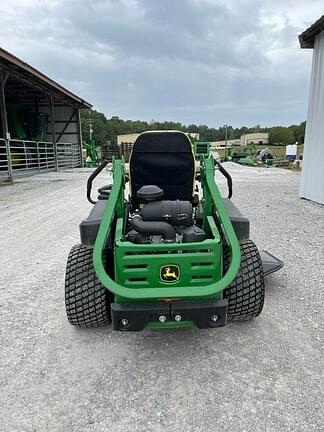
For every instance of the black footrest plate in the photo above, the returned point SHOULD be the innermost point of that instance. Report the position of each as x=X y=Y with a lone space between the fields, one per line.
x=136 y=316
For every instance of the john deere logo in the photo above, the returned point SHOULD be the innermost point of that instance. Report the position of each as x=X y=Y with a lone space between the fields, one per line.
x=169 y=273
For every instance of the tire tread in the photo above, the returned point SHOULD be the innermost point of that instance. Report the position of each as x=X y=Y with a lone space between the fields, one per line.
x=246 y=293
x=86 y=299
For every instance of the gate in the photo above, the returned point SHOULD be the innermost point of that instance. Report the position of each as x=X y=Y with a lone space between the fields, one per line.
x=21 y=157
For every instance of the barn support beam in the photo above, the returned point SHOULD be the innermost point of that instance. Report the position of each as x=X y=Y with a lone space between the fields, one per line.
x=53 y=132
x=4 y=119
x=80 y=137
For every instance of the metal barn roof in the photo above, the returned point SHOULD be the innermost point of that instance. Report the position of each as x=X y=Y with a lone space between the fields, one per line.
x=307 y=38
x=24 y=77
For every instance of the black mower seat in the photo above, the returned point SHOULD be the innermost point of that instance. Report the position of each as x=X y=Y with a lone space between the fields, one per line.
x=166 y=160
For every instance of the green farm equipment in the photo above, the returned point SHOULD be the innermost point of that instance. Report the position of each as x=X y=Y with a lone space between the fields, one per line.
x=167 y=251
x=92 y=158
x=246 y=160
x=265 y=156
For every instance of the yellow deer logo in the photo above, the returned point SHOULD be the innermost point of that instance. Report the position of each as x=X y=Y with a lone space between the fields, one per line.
x=169 y=273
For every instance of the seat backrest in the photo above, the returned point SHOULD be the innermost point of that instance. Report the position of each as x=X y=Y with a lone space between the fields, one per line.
x=164 y=159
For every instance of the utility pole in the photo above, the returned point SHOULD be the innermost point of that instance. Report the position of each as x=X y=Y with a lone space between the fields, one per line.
x=90 y=126
x=226 y=142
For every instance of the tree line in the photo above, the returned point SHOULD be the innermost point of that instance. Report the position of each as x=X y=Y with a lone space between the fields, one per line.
x=107 y=129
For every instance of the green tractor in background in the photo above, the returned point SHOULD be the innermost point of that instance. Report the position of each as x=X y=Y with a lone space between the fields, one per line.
x=167 y=251
x=246 y=157
x=92 y=157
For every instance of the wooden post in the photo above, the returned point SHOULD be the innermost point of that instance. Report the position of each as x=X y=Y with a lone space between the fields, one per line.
x=52 y=109
x=80 y=136
x=4 y=120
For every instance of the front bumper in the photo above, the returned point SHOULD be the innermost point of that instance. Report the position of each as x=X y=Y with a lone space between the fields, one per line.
x=136 y=316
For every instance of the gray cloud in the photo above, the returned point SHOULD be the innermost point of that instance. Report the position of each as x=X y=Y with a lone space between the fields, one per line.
x=201 y=61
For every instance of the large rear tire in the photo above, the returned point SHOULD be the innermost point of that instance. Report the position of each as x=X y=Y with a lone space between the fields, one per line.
x=86 y=299
x=246 y=293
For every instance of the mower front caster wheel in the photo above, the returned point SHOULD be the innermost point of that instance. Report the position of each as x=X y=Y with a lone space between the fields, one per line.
x=86 y=299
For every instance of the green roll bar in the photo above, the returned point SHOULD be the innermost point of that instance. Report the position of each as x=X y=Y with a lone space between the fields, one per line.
x=213 y=202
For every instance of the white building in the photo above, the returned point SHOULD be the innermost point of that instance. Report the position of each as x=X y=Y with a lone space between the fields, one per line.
x=312 y=178
x=223 y=143
x=255 y=138
x=127 y=138
x=194 y=135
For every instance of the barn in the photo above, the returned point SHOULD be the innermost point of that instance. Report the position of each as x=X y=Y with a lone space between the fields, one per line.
x=312 y=177
x=40 y=127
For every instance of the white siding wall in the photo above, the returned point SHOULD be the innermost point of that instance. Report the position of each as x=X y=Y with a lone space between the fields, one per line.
x=312 y=178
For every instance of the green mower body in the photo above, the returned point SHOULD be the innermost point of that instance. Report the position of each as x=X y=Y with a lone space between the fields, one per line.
x=166 y=254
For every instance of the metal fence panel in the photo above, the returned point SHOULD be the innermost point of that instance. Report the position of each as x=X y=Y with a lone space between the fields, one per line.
x=68 y=155
x=31 y=157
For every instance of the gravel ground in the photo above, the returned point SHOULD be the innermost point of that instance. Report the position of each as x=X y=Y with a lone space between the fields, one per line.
x=264 y=375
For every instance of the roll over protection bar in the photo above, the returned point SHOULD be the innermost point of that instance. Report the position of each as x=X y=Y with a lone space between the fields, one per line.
x=97 y=171
x=228 y=177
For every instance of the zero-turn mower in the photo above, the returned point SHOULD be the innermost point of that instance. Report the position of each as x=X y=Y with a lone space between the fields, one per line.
x=170 y=252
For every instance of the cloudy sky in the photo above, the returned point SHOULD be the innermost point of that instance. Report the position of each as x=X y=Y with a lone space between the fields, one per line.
x=194 y=61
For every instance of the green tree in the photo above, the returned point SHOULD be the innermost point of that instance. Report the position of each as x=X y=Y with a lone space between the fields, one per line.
x=281 y=135
x=300 y=133
x=98 y=121
x=107 y=129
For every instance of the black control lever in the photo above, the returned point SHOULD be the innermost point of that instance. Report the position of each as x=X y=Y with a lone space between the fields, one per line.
x=228 y=177
x=92 y=177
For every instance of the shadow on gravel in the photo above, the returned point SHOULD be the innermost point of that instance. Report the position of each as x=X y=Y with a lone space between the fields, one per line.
x=175 y=340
